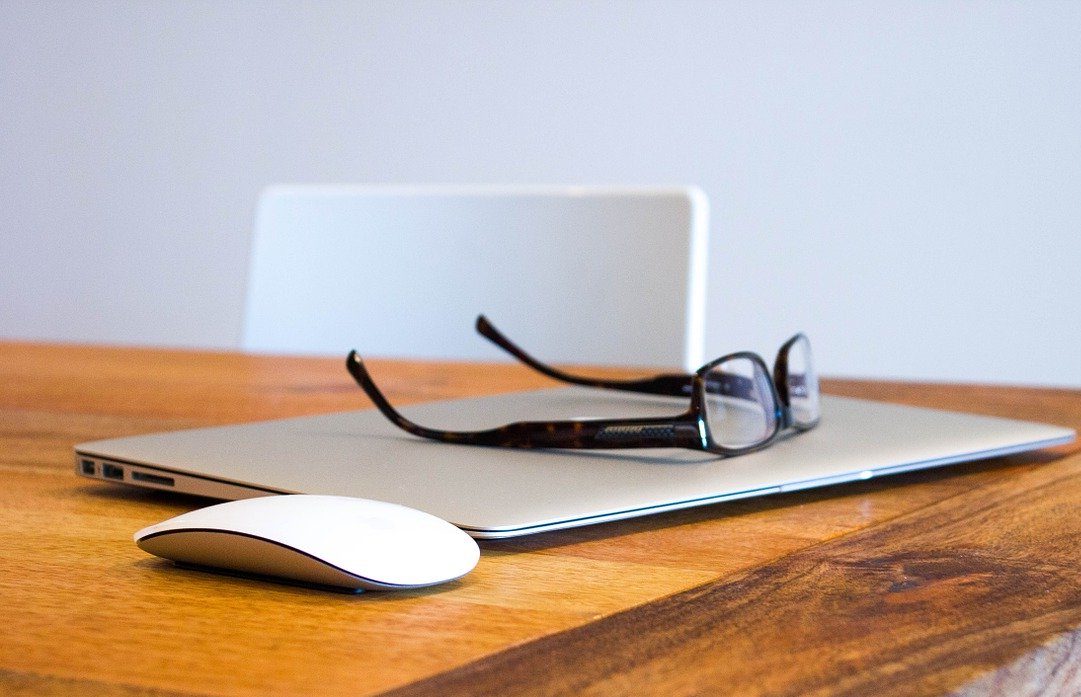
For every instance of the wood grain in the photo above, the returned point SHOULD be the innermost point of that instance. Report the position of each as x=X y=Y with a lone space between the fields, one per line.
x=913 y=606
x=926 y=583
x=1051 y=669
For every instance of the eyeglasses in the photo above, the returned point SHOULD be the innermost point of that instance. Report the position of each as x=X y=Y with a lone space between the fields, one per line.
x=735 y=405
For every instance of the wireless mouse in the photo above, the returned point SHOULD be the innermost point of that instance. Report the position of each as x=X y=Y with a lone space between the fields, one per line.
x=338 y=541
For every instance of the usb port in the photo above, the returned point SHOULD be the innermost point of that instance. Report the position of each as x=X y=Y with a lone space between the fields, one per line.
x=137 y=476
x=87 y=466
x=111 y=471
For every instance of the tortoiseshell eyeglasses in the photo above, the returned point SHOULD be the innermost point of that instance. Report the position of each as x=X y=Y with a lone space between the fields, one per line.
x=735 y=405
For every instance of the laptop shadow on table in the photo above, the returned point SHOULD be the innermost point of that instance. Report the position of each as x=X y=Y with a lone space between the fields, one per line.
x=652 y=521
x=174 y=499
x=750 y=506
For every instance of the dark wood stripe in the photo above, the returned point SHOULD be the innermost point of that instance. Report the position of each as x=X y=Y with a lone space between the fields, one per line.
x=892 y=610
x=15 y=683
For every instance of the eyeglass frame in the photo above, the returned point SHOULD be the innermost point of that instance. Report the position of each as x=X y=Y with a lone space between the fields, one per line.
x=689 y=429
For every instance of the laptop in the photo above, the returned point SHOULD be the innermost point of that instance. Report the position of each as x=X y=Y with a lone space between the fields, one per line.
x=498 y=493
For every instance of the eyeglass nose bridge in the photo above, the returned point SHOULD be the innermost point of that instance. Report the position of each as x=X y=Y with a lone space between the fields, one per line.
x=784 y=416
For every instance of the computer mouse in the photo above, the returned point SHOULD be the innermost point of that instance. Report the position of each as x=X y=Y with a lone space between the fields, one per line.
x=337 y=541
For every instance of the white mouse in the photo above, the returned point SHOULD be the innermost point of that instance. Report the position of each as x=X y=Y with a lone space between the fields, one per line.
x=326 y=540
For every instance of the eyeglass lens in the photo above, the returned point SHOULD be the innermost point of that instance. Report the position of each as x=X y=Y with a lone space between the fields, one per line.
x=802 y=384
x=740 y=407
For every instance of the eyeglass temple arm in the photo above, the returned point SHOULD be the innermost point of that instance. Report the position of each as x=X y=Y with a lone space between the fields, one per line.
x=359 y=371
x=653 y=432
x=666 y=384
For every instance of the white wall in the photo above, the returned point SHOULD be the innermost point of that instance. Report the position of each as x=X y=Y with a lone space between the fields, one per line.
x=902 y=181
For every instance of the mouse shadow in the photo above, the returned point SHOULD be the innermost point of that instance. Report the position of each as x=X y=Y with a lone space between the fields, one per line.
x=230 y=581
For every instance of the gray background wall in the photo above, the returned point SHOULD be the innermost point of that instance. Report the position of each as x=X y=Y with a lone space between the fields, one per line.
x=902 y=181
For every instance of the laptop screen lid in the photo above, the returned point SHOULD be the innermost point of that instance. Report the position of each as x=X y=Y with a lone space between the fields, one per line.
x=498 y=492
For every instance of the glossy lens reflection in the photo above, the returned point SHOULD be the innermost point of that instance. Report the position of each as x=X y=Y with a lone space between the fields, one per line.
x=802 y=384
x=740 y=407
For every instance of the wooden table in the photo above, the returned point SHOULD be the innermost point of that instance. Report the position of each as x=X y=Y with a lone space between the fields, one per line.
x=961 y=580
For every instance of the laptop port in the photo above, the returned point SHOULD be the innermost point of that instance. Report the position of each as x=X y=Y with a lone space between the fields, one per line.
x=87 y=467
x=137 y=476
x=111 y=471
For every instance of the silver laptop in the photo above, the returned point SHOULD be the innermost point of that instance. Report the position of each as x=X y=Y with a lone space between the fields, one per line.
x=495 y=492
